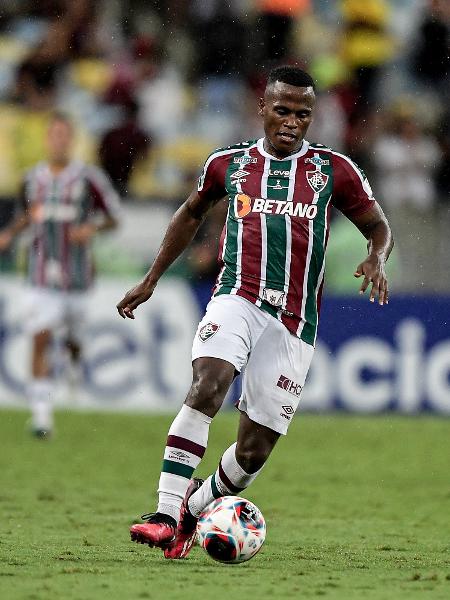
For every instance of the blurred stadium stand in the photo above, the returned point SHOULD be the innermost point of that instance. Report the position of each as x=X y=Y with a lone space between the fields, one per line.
x=154 y=86
x=162 y=83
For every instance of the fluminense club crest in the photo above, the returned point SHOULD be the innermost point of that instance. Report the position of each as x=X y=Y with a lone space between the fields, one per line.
x=208 y=331
x=317 y=180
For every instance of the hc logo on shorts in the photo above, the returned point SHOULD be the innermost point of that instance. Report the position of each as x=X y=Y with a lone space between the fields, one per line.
x=289 y=386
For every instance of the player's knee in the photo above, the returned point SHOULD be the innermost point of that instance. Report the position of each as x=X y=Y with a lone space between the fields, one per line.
x=206 y=393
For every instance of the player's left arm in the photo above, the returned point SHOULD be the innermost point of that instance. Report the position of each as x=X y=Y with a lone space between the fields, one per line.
x=353 y=196
x=375 y=228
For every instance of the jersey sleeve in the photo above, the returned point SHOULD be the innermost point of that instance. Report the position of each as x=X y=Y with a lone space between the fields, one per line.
x=211 y=183
x=352 y=194
x=105 y=197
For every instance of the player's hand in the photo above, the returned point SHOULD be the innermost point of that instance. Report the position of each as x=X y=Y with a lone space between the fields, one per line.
x=5 y=240
x=137 y=295
x=373 y=271
x=82 y=234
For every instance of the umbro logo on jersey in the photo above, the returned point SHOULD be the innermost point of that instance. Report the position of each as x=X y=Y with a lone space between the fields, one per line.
x=243 y=205
x=289 y=386
x=239 y=174
x=207 y=331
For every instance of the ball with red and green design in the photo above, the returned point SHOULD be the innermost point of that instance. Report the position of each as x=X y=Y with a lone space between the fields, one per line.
x=231 y=530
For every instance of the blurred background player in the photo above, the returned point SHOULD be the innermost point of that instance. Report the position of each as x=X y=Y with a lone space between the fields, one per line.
x=64 y=204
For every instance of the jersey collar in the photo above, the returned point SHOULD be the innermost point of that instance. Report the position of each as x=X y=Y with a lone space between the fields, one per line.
x=303 y=150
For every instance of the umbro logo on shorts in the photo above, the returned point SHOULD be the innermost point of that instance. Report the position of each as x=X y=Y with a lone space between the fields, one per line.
x=290 y=386
x=208 y=331
x=288 y=412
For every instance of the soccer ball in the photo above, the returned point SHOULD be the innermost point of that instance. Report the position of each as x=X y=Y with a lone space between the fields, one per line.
x=231 y=529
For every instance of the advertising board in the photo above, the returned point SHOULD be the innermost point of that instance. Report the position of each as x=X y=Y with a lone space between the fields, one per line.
x=368 y=358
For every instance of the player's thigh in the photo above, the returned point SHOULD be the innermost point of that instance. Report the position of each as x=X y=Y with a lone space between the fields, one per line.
x=44 y=310
x=274 y=377
x=228 y=330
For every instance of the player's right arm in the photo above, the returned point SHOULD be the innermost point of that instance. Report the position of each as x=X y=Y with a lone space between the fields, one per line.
x=18 y=224
x=180 y=232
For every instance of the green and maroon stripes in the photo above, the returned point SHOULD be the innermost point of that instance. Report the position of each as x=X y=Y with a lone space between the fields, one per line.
x=221 y=484
x=231 y=251
x=276 y=234
x=215 y=490
x=60 y=202
x=229 y=478
x=230 y=278
x=226 y=481
x=318 y=230
x=277 y=189
x=272 y=249
x=175 y=441
x=181 y=456
x=175 y=468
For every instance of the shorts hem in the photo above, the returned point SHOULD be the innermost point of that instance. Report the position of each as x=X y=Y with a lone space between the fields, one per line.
x=266 y=420
x=221 y=355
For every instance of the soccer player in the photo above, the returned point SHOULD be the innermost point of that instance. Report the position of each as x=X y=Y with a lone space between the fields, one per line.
x=262 y=318
x=64 y=203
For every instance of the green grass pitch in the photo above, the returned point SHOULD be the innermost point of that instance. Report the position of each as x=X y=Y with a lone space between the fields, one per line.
x=356 y=508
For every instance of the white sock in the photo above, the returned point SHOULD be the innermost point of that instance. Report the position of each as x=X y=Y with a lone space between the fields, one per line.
x=186 y=445
x=40 y=393
x=230 y=479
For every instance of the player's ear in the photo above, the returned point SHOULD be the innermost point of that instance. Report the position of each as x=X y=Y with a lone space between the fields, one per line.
x=261 y=105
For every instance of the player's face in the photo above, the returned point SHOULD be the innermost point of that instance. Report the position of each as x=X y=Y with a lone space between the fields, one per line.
x=59 y=141
x=287 y=113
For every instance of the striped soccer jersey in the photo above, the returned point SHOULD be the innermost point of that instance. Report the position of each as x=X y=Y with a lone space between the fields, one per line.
x=56 y=203
x=272 y=248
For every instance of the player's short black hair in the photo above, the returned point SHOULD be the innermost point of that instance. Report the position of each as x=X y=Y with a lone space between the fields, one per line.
x=292 y=76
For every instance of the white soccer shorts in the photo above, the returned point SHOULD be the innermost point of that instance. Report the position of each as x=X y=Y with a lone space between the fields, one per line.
x=54 y=310
x=274 y=361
